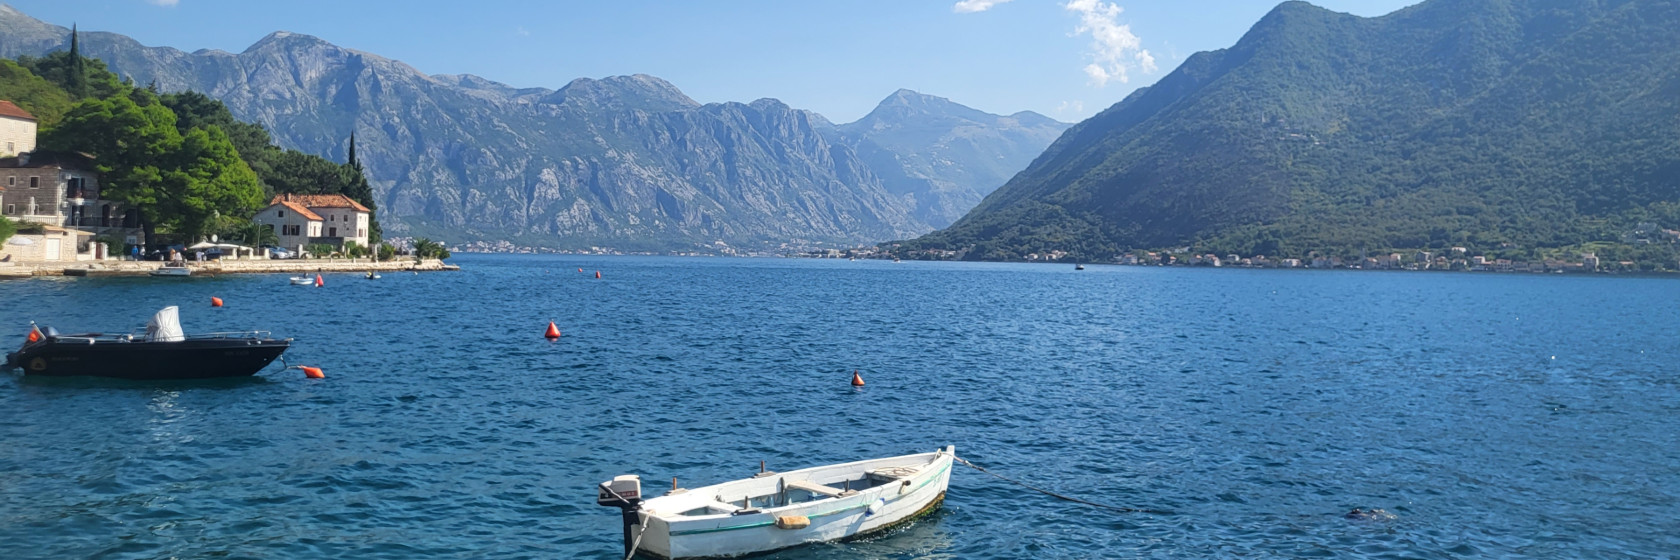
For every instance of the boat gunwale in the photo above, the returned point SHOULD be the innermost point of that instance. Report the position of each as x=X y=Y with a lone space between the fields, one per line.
x=933 y=457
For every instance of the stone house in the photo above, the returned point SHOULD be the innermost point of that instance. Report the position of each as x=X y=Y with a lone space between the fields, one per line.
x=17 y=129
x=61 y=190
x=306 y=219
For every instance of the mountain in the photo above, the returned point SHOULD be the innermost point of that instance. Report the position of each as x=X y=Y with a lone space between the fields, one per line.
x=626 y=161
x=942 y=157
x=1518 y=125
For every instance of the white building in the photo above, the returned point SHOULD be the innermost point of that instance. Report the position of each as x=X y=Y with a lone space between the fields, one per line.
x=307 y=219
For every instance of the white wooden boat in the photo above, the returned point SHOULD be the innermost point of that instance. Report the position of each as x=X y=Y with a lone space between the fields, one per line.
x=171 y=271
x=302 y=280
x=772 y=510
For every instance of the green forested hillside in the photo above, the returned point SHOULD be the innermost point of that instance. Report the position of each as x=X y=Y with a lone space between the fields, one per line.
x=1514 y=127
x=180 y=159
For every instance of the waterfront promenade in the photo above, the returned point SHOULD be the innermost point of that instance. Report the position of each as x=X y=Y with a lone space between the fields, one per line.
x=230 y=266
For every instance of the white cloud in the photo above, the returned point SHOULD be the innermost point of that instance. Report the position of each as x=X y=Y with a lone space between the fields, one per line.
x=1070 y=107
x=1115 y=50
x=521 y=31
x=971 y=6
x=164 y=3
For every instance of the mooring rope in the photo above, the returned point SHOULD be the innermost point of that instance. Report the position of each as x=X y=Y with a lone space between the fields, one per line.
x=1061 y=496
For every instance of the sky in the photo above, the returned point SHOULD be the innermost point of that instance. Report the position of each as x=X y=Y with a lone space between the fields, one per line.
x=1067 y=59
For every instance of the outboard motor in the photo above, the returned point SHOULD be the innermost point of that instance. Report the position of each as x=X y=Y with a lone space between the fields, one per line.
x=625 y=493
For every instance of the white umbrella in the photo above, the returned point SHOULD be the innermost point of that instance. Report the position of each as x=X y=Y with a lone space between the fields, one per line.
x=202 y=245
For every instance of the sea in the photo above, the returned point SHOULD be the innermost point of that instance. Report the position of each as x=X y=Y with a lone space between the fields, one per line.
x=1249 y=411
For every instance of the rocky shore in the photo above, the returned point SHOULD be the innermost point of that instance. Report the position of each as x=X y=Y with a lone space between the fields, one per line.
x=144 y=268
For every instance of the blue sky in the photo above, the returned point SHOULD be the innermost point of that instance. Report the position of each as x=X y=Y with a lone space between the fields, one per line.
x=1065 y=58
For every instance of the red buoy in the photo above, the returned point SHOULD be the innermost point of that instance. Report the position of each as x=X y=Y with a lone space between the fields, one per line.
x=318 y=282
x=857 y=380
x=580 y=270
x=215 y=301
x=553 y=331
x=597 y=274
x=313 y=372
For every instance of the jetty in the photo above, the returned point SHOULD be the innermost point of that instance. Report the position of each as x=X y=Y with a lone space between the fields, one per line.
x=214 y=267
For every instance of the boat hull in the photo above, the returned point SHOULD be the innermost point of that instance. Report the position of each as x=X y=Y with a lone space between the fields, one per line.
x=836 y=519
x=188 y=359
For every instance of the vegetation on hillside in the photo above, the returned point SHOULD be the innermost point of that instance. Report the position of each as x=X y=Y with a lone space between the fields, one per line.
x=180 y=160
x=1515 y=129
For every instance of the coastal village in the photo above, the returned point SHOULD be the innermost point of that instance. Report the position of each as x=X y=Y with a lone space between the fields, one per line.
x=1453 y=259
x=66 y=228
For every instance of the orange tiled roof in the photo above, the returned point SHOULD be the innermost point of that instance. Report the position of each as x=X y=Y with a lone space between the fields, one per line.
x=295 y=207
x=9 y=109
x=321 y=201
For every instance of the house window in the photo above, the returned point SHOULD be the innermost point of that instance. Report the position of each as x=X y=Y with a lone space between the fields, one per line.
x=280 y=213
x=34 y=182
x=11 y=208
x=332 y=232
x=361 y=233
x=11 y=181
x=9 y=148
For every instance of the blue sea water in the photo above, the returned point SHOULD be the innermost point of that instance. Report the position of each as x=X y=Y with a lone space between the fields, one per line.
x=1492 y=415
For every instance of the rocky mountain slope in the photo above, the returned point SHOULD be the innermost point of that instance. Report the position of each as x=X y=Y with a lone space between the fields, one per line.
x=943 y=157
x=629 y=161
x=1517 y=125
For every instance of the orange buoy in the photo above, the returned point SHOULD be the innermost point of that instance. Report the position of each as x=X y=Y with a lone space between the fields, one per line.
x=857 y=380
x=597 y=274
x=313 y=372
x=318 y=282
x=553 y=331
x=34 y=333
x=215 y=302
x=580 y=270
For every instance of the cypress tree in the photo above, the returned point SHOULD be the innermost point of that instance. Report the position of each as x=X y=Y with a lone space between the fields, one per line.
x=352 y=159
x=77 y=78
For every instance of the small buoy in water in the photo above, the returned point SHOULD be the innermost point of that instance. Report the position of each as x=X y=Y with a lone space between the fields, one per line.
x=857 y=380
x=580 y=270
x=318 y=281
x=215 y=302
x=312 y=372
x=597 y=274
x=553 y=331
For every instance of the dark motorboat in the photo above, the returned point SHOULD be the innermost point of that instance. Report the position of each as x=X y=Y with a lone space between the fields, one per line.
x=161 y=353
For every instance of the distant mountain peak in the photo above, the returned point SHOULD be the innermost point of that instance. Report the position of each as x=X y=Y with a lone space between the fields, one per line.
x=636 y=91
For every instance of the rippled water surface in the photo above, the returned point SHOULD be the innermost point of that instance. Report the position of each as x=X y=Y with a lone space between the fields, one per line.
x=1523 y=416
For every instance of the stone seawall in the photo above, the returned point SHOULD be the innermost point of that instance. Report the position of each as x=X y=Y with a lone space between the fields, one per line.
x=210 y=268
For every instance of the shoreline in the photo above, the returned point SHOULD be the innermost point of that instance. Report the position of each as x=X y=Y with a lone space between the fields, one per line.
x=213 y=268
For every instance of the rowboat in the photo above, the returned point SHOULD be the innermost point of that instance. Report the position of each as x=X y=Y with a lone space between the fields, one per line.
x=302 y=280
x=772 y=511
x=171 y=271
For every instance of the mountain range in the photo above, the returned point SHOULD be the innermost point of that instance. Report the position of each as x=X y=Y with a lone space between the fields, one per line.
x=1521 y=126
x=626 y=161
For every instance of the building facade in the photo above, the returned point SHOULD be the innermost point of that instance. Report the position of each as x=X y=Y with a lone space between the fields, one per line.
x=307 y=219
x=17 y=130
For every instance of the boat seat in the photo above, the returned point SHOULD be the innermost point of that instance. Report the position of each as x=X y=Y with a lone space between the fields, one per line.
x=889 y=474
x=721 y=506
x=815 y=488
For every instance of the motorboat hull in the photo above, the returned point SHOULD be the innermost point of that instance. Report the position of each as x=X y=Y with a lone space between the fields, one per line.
x=877 y=508
x=187 y=359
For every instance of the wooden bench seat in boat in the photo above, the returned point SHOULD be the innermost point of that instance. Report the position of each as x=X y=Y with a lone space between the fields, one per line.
x=815 y=488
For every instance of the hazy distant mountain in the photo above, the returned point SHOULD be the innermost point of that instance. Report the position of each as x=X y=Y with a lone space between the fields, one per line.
x=942 y=157
x=627 y=161
x=1512 y=125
